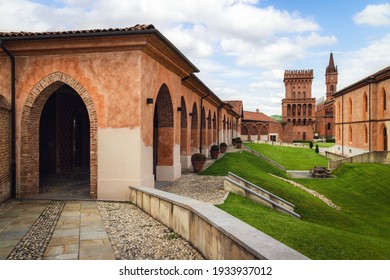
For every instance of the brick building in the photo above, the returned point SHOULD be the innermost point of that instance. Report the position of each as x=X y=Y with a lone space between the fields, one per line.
x=363 y=115
x=325 y=123
x=122 y=104
x=298 y=106
x=258 y=126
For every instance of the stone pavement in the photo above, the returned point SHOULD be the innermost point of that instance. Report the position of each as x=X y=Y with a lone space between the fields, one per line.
x=44 y=229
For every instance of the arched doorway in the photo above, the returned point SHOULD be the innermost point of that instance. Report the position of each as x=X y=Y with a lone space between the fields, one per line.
x=64 y=145
x=163 y=140
x=194 y=129
x=29 y=163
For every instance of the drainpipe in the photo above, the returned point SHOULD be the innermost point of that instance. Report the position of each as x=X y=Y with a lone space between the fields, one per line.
x=13 y=139
x=201 y=121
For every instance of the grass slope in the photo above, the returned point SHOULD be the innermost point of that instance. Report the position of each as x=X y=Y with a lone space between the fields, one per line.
x=359 y=231
x=289 y=157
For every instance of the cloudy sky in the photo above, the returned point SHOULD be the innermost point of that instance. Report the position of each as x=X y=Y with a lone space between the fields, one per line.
x=241 y=47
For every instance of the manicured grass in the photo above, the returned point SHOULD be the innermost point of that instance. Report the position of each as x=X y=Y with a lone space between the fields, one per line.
x=361 y=230
x=289 y=157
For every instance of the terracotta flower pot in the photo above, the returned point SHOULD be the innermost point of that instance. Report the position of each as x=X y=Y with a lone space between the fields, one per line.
x=214 y=154
x=197 y=166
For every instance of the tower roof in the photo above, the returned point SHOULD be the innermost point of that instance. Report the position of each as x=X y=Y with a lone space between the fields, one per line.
x=331 y=68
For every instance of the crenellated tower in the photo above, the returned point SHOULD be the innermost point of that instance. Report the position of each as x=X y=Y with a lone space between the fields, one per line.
x=298 y=106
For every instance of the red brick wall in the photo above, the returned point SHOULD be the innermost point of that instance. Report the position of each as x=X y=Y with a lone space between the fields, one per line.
x=5 y=151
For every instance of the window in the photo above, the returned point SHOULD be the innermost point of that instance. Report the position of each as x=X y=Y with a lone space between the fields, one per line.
x=365 y=106
x=365 y=134
x=328 y=125
x=350 y=134
x=350 y=109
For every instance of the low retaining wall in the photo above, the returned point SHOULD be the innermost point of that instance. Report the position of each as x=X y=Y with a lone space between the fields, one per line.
x=215 y=233
x=240 y=186
x=334 y=156
x=371 y=157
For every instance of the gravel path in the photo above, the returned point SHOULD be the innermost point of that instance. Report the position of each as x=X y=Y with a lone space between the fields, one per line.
x=208 y=189
x=134 y=235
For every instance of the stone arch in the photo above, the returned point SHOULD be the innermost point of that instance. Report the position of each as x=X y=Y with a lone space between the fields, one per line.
x=31 y=113
x=163 y=135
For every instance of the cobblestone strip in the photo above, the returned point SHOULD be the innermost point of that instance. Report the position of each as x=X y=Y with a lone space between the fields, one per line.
x=7 y=205
x=134 y=235
x=34 y=243
x=312 y=192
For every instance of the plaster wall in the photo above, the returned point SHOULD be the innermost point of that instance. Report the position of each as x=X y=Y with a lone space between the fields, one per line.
x=119 y=165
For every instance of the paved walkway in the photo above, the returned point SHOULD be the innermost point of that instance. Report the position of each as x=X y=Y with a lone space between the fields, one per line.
x=44 y=229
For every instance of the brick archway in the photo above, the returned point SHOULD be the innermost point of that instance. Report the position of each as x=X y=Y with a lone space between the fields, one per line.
x=31 y=114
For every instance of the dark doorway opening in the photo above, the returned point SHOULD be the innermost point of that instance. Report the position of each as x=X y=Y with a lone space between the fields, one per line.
x=64 y=146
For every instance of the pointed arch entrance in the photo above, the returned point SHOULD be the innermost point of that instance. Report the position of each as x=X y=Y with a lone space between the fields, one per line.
x=64 y=144
x=82 y=146
x=163 y=135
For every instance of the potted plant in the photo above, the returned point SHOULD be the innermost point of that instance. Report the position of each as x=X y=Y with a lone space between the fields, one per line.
x=198 y=161
x=214 y=151
x=239 y=143
x=234 y=141
x=223 y=147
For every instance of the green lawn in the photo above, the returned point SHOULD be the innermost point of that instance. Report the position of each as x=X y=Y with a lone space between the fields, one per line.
x=289 y=157
x=361 y=230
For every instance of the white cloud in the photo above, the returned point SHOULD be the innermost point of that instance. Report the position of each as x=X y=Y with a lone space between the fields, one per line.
x=374 y=15
x=361 y=63
x=240 y=46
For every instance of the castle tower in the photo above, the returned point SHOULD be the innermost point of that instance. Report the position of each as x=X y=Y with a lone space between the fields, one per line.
x=331 y=77
x=298 y=107
x=325 y=110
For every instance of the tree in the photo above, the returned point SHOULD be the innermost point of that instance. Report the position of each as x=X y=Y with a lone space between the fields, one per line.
x=311 y=145
x=317 y=149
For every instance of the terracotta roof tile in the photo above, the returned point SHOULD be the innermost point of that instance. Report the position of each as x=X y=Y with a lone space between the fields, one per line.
x=138 y=27
x=257 y=116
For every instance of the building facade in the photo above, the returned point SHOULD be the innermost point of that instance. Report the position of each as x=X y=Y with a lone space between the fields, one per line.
x=123 y=104
x=325 y=122
x=363 y=115
x=258 y=126
x=298 y=106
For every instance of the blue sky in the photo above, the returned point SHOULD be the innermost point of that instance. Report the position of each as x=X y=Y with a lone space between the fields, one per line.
x=241 y=47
